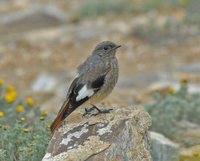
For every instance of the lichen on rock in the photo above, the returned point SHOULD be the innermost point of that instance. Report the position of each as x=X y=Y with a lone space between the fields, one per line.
x=120 y=135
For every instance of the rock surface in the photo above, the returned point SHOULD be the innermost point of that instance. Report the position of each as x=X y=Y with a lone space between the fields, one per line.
x=121 y=135
x=163 y=149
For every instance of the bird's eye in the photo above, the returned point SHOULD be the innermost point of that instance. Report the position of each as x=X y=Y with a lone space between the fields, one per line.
x=106 y=48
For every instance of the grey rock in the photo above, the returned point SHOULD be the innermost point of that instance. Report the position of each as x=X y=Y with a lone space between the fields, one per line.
x=192 y=88
x=144 y=80
x=90 y=32
x=44 y=83
x=31 y=18
x=164 y=77
x=121 y=135
x=163 y=149
x=188 y=68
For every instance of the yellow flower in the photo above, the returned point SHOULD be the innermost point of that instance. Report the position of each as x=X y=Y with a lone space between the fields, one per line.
x=29 y=101
x=171 y=90
x=26 y=130
x=19 y=108
x=22 y=119
x=10 y=89
x=48 y=126
x=1 y=82
x=45 y=113
x=2 y=114
x=41 y=118
x=184 y=81
x=10 y=96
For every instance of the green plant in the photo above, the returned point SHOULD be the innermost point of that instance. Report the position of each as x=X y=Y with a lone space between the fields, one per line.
x=192 y=13
x=94 y=8
x=168 y=111
x=160 y=4
x=24 y=129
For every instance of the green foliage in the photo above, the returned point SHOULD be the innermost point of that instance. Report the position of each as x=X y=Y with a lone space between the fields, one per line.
x=192 y=12
x=167 y=111
x=93 y=8
x=160 y=4
x=24 y=129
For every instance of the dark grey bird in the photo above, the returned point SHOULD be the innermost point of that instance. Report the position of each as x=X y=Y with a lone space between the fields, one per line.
x=95 y=80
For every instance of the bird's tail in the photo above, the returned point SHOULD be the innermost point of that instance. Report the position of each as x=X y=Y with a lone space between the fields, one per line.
x=60 y=117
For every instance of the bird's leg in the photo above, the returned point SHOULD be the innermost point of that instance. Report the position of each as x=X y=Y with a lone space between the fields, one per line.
x=88 y=111
x=100 y=111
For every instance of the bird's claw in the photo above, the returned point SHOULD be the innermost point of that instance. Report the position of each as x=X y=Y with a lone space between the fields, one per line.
x=102 y=112
x=89 y=111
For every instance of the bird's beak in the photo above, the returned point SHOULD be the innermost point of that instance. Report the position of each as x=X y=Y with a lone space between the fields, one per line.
x=116 y=47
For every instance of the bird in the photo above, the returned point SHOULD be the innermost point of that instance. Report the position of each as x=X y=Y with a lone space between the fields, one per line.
x=95 y=80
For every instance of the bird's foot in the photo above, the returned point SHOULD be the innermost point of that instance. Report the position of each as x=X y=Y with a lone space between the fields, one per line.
x=89 y=111
x=102 y=112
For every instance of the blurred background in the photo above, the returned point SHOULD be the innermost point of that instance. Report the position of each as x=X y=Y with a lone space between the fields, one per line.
x=43 y=41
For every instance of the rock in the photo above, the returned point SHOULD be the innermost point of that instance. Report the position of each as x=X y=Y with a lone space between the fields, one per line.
x=163 y=149
x=190 y=154
x=90 y=32
x=44 y=83
x=31 y=18
x=121 y=135
x=175 y=85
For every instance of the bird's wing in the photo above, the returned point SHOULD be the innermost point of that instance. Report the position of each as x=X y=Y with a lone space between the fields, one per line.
x=91 y=78
x=83 y=87
x=86 y=85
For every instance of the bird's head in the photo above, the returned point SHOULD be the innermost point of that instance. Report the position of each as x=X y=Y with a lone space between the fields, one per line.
x=106 y=49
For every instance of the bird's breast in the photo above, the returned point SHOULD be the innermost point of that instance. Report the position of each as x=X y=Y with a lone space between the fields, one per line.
x=109 y=83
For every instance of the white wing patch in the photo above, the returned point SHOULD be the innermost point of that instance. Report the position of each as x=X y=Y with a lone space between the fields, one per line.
x=84 y=92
